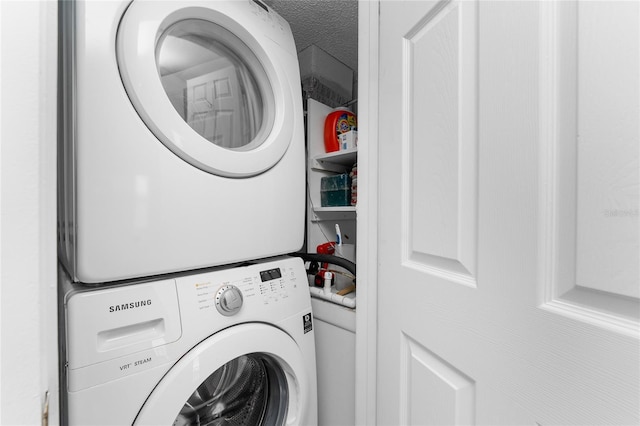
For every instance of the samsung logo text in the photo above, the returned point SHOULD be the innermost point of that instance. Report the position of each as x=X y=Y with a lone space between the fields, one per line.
x=131 y=305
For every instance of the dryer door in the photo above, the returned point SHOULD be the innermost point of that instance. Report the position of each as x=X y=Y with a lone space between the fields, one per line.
x=210 y=83
x=251 y=374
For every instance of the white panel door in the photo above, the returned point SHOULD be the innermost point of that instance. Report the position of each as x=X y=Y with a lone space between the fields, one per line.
x=508 y=280
x=214 y=107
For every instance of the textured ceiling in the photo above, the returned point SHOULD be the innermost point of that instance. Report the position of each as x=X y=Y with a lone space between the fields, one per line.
x=332 y=25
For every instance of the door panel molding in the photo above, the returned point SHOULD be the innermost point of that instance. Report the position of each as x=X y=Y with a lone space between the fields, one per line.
x=440 y=142
x=583 y=176
x=450 y=394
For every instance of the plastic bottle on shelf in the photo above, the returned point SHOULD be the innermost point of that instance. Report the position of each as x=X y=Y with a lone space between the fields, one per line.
x=338 y=122
x=354 y=184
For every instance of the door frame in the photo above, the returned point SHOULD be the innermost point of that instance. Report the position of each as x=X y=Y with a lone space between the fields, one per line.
x=28 y=230
x=367 y=212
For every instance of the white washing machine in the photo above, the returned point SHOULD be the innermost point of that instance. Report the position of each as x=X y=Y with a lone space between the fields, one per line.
x=227 y=347
x=182 y=142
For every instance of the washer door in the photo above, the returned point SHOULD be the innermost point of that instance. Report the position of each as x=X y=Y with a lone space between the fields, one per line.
x=207 y=83
x=250 y=374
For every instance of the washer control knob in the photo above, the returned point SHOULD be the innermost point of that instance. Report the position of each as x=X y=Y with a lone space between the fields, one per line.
x=228 y=300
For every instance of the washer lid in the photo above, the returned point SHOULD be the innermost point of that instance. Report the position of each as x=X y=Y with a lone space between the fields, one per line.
x=251 y=374
x=207 y=83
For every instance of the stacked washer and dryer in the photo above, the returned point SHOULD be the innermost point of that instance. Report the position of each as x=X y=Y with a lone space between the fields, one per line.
x=181 y=186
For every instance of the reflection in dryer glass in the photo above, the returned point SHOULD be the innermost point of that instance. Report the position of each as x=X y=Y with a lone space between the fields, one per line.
x=249 y=390
x=214 y=82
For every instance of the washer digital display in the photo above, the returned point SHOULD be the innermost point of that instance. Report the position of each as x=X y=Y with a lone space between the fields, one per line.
x=270 y=274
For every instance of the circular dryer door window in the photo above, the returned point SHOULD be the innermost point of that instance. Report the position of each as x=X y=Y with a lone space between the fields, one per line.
x=215 y=83
x=207 y=84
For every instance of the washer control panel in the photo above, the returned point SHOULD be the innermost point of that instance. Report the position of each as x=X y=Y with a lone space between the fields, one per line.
x=228 y=300
x=244 y=293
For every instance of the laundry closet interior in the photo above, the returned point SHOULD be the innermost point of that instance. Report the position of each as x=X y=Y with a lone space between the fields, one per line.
x=326 y=35
x=207 y=197
x=496 y=214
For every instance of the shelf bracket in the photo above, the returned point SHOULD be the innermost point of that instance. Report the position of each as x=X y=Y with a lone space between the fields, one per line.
x=328 y=166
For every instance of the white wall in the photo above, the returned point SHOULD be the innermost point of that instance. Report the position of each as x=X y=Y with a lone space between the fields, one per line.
x=28 y=339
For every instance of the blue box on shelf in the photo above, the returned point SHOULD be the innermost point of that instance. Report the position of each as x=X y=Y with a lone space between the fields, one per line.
x=335 y=191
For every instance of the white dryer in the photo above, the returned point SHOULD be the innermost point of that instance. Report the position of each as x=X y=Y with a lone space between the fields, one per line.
x=227 y=347
x=181 y=137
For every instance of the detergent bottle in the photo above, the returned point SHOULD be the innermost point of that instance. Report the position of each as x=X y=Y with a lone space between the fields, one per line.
x=338 y=122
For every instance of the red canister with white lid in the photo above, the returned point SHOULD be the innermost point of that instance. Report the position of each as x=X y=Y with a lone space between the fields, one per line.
x=339 y=121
